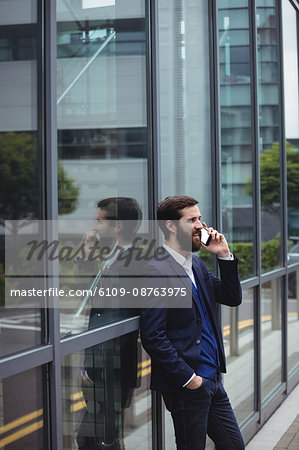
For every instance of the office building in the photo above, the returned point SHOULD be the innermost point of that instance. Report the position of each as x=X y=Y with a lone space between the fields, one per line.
x=145 y=99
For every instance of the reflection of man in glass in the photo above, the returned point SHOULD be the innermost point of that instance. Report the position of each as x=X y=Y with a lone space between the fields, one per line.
x=110 y=372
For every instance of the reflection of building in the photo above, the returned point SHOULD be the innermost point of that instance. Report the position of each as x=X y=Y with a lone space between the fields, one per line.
x=237 y=88
x=150 y=99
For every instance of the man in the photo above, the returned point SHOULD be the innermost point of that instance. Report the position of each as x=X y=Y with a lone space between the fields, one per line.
x=186 y=344
x=110 y=372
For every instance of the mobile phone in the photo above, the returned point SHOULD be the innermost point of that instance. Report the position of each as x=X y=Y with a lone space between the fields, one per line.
x=205 y=236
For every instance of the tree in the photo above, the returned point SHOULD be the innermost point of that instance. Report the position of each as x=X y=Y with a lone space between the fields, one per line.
x=19 y=181
x=270 y=178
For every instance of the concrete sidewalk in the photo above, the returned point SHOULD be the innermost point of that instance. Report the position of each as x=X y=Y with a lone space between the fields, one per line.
x=281 y=431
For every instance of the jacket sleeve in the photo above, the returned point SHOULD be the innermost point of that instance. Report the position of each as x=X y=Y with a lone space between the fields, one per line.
x=153 y=330
x=227 y=289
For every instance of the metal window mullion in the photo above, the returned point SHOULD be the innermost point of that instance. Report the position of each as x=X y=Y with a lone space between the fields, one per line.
x=97 y=336
x=250 y=283
x=41 y=135
x=256 y=204
x=215 y=116
x=153 y=107
x=257 y=395
x=158 y=425
x=273 y=274
x=293 y=268
x=216 y=124
x=51 y=175
x=26 y=360
x=154 y=171
x=42 y=210
x=284 y=200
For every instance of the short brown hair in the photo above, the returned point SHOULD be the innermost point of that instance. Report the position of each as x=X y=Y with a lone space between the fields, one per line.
x=125 y=209
x=170 y=209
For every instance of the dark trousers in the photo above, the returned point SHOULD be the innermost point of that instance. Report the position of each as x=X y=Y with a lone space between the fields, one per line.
x=202 y=411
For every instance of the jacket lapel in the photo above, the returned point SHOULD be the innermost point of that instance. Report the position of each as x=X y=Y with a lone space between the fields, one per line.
x=205 y=294
x=180 y=272
x=201 y=282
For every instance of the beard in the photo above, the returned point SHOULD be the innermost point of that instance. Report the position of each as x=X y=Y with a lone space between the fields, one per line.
x=188 y=242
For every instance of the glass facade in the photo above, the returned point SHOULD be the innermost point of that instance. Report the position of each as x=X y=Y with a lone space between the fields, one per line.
x=235 y=68
x=102 y=114
x=290 y=73
x=238 y=333
x=185 y=110
x=293 y=320
x=145 y=99
x=21 y=155
x=271 y=336
x=106 y=397
x=23 y=416
x=269 y=131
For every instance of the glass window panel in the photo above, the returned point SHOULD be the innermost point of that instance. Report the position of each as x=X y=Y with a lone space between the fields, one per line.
x=265 y=3
x=271 y=352
x=290 y=59
x=266 y=18
x=106 y=396
x=184 y=74
x=293 y=320
x=291 y=98
x=234 y=95
x=237 y=18
x=237 y=37
x=20 y=155
x=22 y=421
x=103 y=137
x=234 y=3
x=270 y=134
x=236 y=134
x=238 y=334
x=241 y=71
x=268 y=55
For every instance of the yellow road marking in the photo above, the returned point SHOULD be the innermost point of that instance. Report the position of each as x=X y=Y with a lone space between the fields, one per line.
x=249 y=322
x=20 y=421
x=78 y=405
x=21 y=433
x=144 y=369
x=144 y=363
x=143 y=372
x=77 y=395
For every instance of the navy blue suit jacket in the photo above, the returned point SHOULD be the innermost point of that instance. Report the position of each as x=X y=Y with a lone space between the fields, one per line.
x=171 y=336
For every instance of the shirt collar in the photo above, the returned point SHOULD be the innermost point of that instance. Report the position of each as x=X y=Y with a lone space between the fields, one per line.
x=108 y=263
x=185 y=262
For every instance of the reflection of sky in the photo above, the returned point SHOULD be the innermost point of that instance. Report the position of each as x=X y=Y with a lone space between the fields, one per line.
x=290 y=70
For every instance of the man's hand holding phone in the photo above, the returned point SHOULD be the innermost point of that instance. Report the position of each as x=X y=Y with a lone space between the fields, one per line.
x=90 y=239
x=214 y=242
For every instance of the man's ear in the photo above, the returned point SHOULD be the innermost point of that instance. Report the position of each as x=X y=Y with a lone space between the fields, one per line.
x=119 y=226
x=170 y=226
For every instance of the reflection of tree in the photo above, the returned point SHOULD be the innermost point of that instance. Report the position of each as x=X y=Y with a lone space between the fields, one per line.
x=19 y=181
x=67 y=192
x=270 y=178
x=20 y=186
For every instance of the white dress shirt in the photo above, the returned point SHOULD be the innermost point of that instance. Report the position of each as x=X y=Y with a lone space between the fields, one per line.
x=186 y=263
